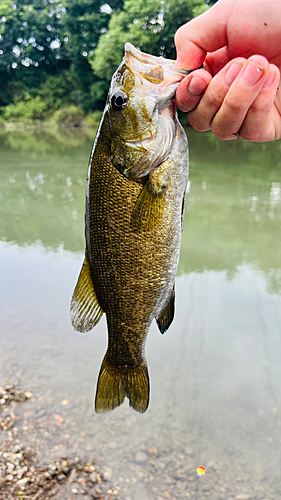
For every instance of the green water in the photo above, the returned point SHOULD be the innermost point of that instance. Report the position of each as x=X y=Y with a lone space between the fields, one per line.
x=215 y=375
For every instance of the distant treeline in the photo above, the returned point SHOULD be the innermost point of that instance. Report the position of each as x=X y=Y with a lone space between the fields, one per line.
x=58 y=55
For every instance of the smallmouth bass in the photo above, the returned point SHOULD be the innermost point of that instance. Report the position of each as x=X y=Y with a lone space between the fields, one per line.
x=135 y=191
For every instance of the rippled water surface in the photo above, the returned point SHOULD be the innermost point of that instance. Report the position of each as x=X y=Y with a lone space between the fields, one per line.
x=215 y=375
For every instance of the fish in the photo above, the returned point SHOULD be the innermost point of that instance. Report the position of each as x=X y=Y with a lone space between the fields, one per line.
x=135 y=191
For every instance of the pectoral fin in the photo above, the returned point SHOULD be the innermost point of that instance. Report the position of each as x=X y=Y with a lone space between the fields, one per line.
x=85 y=310
x=148 y=209
x=166 y=316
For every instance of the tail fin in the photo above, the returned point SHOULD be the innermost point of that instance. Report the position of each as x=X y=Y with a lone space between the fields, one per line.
x=115 y=383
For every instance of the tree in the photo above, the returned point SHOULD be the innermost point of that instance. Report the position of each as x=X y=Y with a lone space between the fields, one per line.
x=65 y=51
x=150 y=25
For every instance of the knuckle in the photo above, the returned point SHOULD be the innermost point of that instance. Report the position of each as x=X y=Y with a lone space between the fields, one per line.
x=212 y=100
x=198 y=124
x=233 y=106
x=220 y=133
x=249 y=136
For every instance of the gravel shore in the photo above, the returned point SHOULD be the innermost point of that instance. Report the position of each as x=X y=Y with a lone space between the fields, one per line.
x=22 y=477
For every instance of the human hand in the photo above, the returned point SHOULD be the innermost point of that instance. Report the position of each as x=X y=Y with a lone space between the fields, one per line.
x=236 y=94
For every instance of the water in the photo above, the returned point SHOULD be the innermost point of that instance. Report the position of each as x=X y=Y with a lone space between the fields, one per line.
x=215 y=375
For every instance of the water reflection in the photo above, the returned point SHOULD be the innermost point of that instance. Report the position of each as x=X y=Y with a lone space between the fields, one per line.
x=233 y=207
x=215 y=375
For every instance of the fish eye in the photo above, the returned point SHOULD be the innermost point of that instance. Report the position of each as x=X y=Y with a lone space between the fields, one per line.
x=119 y=100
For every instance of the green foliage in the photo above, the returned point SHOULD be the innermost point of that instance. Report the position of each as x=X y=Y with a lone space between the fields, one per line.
x=71 y=116
x=64 y=52
x=150 y=25
x=93 y=119
x=28 y=110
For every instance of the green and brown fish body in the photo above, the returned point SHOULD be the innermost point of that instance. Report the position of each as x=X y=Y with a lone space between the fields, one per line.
x=133 y=229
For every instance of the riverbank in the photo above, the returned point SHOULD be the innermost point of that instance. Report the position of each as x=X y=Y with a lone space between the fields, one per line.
x=71 y=117
x=24 y=476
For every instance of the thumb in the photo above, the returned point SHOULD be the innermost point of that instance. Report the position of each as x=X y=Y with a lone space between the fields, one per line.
x=205 y=33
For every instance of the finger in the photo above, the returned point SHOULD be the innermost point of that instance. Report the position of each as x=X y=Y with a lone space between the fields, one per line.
x=240 y=97
x=201 y=35
x=202 y=116
x=215 y=61
x=260 y=124
x=191 y=89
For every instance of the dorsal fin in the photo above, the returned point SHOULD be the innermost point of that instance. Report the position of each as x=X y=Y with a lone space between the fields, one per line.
x=85 y=310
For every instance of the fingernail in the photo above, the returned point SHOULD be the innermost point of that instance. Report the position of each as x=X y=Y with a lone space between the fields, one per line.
x=269 y=80
x=252 y=74
x=232 y=73
x=196 y=86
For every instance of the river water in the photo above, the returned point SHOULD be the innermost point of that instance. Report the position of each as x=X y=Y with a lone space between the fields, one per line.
x=216 y=373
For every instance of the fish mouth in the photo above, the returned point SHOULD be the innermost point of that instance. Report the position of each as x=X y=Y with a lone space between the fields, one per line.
x=142 y=143
x=155 y=69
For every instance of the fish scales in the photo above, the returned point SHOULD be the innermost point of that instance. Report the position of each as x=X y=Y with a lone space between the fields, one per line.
x=130 y=265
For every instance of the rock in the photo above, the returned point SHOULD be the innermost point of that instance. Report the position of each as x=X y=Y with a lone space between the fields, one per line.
x=97 y=491
x=243 y=497
x=20 y=473
x=153 y=451
x=65 y=402
x=207 y=487
x=23 y=482
x=93 y=478
x=107 y=473
x=72 y=475
x=166 y=494
x=28 y=395
x=140 y=457
x=59 y=419
x=10 y=467
x=82 y=482
x=61 y=478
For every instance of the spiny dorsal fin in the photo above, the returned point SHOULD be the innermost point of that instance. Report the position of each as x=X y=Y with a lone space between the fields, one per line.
x=85 y=310
x=115 y=383
x=166 y=316
x=148 y=209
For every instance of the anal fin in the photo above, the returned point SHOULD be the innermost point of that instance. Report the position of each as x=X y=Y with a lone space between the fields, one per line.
x=166 y=316
x=85 y=310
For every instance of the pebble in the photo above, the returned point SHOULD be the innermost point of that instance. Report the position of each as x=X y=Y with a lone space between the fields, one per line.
x=153 y=451
x=22 y=482
x=140 y=457
x=61 y=478
x=28 y=395
x=72 y=475
x=93 y=478
x=97 y=490
x=243 y=497
x=65 y=402
x=59 y=419
x=107 y=473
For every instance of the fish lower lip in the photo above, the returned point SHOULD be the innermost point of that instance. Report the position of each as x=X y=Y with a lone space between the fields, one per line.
x=141 y=141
